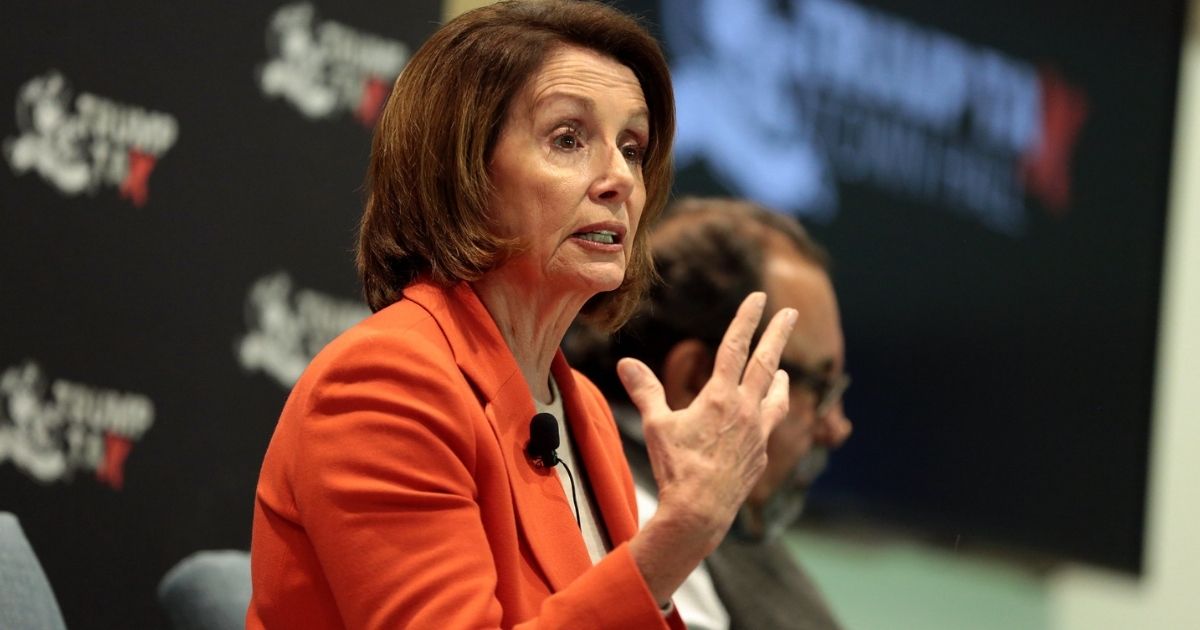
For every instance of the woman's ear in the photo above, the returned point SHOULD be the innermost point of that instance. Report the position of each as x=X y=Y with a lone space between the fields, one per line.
x=686 y=368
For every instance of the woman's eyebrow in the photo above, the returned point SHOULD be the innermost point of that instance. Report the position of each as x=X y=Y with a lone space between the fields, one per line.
x=549 y=98
x=587 y=103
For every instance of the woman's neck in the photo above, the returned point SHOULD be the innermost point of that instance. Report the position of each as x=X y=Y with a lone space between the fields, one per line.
x=533 y=319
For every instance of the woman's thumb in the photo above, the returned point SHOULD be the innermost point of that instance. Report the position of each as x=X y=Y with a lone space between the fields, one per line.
x=643 y=387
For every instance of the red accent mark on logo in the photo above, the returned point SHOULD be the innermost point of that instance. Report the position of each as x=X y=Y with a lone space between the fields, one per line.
x=1046 y=167
x=112 y=469
x=136 y=186
x=374 y=95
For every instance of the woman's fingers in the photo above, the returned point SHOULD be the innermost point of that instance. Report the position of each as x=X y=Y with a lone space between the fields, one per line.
x=643 y=387
x=735 y=346
x=764 y=363
x=775 y=404
x=732 y=368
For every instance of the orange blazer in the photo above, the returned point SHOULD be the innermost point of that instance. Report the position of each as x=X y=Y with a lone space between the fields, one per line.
x=396 y=493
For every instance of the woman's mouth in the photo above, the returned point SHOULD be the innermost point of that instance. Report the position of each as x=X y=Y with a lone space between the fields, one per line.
x=607 y=237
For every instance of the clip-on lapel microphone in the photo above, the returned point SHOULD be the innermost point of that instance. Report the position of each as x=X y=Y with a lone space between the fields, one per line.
x=542 y=447
x=543 y=440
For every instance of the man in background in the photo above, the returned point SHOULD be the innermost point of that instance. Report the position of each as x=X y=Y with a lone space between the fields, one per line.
x=711 y=253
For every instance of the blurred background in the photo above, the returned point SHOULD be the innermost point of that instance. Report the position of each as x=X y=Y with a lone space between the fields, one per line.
x=1006 y=186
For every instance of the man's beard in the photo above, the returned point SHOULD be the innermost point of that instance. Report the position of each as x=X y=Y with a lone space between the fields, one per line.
x=785 y=504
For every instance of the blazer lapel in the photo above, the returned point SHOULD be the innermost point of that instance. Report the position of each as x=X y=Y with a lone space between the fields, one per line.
x=543 y=509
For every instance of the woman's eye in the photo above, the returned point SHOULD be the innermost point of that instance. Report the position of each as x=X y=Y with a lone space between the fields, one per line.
x=568 y=141
x=633 y=153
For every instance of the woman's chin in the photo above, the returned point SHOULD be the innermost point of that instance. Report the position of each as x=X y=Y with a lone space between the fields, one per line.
x=597 y=278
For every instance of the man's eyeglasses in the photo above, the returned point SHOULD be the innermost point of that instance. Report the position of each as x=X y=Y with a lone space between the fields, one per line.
x=828 y=387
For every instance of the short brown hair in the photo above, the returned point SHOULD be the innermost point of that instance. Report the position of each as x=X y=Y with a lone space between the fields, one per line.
x=428 y=186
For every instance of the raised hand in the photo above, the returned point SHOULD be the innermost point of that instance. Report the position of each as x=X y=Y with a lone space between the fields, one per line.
x=707 y=456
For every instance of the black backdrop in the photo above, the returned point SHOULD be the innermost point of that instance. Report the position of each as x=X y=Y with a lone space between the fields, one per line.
x=154 y=302
x=177 y=220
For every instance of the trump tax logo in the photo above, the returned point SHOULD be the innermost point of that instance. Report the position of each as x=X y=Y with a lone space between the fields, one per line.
x=51 y=430
x=327 y=68
x=287 y=326
x=80 y=144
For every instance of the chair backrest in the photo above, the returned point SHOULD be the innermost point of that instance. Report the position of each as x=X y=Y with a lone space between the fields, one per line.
x=26 y=599
x=208 y=590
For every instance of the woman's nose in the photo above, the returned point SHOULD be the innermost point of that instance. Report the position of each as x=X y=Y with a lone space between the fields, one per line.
x=615 y=177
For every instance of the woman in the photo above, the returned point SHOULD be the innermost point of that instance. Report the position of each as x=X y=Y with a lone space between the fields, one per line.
x=521 y=154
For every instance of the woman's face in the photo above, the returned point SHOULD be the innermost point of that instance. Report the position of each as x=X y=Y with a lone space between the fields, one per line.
x=567 y=172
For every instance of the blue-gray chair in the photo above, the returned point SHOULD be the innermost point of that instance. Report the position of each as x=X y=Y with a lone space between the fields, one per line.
x=26 y=600
x=208 y=590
